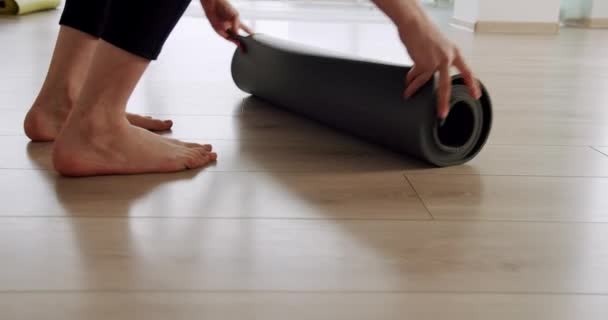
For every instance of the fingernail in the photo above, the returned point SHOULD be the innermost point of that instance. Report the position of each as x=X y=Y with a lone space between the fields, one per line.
x=168 y=121
x=441 y=122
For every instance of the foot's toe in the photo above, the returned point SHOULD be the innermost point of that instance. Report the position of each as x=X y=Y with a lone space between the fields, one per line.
x=207 y=153
x=206 y=147
x=149 y=123
x=197 y=159
x=192 y=145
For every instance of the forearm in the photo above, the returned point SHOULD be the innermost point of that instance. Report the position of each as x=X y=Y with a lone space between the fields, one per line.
x=402 y=13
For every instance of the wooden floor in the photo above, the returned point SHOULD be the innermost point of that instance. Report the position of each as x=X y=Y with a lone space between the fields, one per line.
x=296 y=221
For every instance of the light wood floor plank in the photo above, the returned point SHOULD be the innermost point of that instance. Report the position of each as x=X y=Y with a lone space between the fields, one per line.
x=558 y=161
x=259 y=121
x=249 y=155
x=513 y=198
x=521 y=130
x=302 y=255
x=212 y=194
x=603 y=150
x=565 y=161
x=285 y=305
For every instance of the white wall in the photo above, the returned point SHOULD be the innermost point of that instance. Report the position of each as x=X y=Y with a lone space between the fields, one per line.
x=586 y=6
x=589 y=9
x=508 y=10
x=466 y=10
x=599 y=9
x=573 y=9
x=519 y=10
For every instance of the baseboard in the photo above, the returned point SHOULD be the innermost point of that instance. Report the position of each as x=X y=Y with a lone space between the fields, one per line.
x=507 y=27
x=517 y=27
x=463 y=24
x=593 y=23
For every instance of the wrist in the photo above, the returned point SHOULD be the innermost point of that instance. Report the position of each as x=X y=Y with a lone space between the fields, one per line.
x=404 y=14
x=410 y=18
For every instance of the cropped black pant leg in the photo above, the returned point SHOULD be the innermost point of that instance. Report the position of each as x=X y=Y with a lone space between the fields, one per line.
x=140 y=27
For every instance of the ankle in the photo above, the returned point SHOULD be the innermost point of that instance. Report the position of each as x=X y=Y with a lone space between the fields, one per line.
x=56 y=101
x=89 y=133
x=91 y=123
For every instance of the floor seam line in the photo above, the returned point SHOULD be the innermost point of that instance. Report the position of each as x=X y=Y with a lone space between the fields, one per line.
x=59 y=217
x=596 y=150
x=361 y=292
x=407 y=179
x=355 y=172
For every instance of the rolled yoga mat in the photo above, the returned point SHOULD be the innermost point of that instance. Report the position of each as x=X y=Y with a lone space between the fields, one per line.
x=364 y=99
x=21 y=7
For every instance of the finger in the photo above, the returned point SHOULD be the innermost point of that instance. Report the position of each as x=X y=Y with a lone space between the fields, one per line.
x=246 y=28
x=413 y=73
x=467 y=75
x=236 y=26
x=228 y=25
x=417 y=83
x=445 y=90
x=223 y=32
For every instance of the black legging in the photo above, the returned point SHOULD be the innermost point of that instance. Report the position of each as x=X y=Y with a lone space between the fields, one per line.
x=140 y=27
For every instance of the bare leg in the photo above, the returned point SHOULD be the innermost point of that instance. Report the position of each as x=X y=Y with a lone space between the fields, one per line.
x=69 y=65
x=97 y=139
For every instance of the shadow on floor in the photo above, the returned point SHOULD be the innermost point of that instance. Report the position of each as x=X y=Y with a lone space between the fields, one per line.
x=399 y=258
x=324 y=142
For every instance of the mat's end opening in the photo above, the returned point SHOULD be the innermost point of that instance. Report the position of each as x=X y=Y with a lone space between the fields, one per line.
x=466 y=129
x=458 y=127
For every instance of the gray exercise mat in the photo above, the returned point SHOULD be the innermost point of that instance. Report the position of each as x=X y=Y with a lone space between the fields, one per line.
x=363 y=99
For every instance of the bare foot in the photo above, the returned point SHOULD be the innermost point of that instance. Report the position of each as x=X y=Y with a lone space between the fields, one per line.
x=86 y=149
x=44 y=122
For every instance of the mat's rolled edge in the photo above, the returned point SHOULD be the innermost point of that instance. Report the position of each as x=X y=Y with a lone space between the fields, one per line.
x=10 y=7
x=442 y=155
x=23 y=7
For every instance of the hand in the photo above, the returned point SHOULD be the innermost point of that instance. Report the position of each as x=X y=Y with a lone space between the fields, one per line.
x=431 y=53
x=224 y=19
